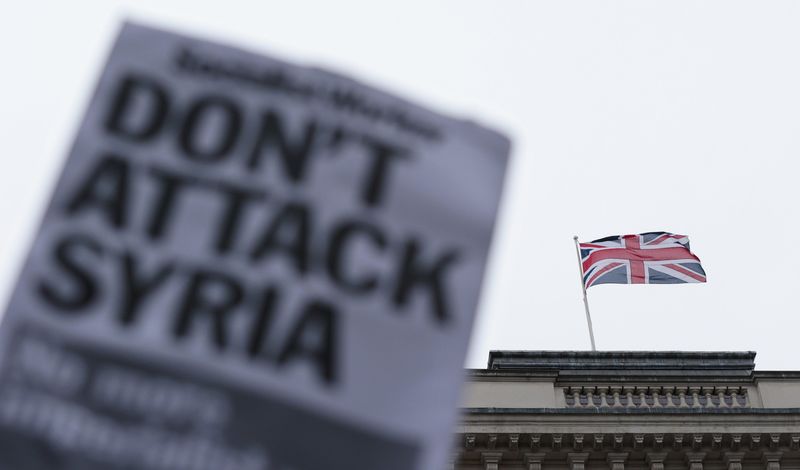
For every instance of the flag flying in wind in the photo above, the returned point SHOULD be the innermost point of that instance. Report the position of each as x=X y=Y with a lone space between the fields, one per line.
x=647 y=258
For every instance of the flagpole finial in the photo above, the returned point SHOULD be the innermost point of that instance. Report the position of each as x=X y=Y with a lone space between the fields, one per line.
x=575 y=238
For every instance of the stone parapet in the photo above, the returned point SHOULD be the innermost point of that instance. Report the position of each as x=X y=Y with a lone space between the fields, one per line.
x=634 y=380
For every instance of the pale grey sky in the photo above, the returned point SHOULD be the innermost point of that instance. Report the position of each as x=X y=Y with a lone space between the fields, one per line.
x=626 y=116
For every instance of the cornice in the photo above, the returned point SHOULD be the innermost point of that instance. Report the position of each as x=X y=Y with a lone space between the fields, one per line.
x=618 y=446
x=777 y=375
x=633 y=411
x=687 y=361
x=620 y=450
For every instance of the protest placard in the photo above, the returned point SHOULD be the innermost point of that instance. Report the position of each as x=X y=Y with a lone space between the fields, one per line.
x=250 y=265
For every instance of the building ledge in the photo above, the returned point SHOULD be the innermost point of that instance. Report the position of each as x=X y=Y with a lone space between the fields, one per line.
x=631 y=411
x=627 y=363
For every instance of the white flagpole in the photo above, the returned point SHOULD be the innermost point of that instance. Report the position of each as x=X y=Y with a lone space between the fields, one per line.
x=585 y=300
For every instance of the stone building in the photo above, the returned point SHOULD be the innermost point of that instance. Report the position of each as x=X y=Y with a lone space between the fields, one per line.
x=628 y=411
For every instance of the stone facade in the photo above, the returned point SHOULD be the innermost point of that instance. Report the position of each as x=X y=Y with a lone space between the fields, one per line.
x=547 y=410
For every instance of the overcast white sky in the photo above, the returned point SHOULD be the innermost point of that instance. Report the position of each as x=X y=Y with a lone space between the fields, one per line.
x=626 y=116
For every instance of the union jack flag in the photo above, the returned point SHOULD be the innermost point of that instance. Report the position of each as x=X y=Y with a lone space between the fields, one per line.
x=647 y=258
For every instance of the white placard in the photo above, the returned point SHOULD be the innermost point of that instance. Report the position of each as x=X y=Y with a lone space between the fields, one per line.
x=248 y=264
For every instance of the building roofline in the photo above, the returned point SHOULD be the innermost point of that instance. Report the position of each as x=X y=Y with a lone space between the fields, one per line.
x=622 y=364
x=631 y=411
